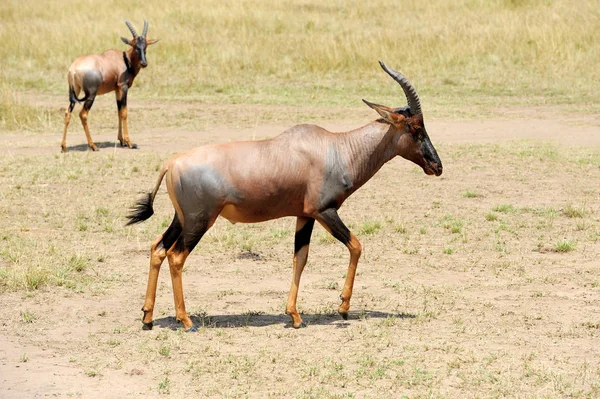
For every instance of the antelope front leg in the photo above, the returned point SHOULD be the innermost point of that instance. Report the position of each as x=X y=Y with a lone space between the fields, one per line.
x=355 y=251
x=119 y=106
x=334 y=225
x=123 y=130
x=304 y=227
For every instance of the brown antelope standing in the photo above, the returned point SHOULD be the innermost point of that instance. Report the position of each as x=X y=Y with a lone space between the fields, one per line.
x=306 y=172
x=97 y=74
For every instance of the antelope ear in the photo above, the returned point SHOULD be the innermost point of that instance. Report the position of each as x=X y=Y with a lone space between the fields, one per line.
x=386 y=113
x=151 y=41
x=126 y=41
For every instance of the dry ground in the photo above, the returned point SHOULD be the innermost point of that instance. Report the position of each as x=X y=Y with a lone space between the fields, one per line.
x=484 y=282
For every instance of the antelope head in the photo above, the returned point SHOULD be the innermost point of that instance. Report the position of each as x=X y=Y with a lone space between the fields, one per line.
x=139 y=43
x=415 y=145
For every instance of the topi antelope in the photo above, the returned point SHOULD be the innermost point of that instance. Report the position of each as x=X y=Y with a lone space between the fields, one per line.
x=306 y=172
x=98 y=74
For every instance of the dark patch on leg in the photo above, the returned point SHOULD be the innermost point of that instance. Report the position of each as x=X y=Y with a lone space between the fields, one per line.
x=303 y=235
x=338 y=229
x=194 y=234
x=191 y=235
x=89 y=102
x=172 y=233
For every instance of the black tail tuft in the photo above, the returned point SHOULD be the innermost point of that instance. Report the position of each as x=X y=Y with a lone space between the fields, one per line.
x=141 y=211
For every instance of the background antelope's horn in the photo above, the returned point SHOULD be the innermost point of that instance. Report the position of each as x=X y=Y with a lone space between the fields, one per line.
x=133 y=32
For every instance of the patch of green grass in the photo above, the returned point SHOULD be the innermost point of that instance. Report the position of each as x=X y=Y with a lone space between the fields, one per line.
x=448 y=250
x=505 y=208
x=564 y=246
x=370 y=227
x=35 y=277
x=164 y=350
x=491 y=217
x=455 y=226
x=400 y=229
x=164 y=386
x=572 y=212
x=92 y=373
x=78 y=263
x=28 y=317
x=471 y=194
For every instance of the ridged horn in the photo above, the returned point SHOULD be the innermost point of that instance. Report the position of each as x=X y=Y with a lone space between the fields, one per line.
x=133 y=32
x=411 y=94
x=145 y=29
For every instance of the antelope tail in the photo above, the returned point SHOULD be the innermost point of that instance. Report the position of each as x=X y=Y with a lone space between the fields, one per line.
x=142 y=210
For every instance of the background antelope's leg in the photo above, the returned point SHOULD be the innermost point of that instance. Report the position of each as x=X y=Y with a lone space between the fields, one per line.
x=158 y=253
x=304 y=228
x=177 y=254
x=332 y=223
x=63 y=145
x=83 y=115
x=119 y=96
x=123 y=118
x=91 y=82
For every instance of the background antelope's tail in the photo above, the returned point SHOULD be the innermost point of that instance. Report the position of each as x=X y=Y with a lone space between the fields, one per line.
x=142 y=210
x=73 y=98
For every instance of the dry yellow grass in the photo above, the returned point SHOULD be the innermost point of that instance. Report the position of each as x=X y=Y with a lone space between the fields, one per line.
x=458 y=54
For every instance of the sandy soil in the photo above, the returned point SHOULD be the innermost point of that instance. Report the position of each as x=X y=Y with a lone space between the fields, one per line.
x=489 y=311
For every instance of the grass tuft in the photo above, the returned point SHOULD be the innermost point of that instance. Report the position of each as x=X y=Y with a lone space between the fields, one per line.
x=572 y=212
x=564 y=246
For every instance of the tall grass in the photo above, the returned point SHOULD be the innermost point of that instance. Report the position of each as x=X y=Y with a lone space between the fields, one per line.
x=312 y=52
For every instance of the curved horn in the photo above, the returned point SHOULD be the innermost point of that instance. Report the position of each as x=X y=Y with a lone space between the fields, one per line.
x=133 y=32
x=411 y=94
x=145 y=29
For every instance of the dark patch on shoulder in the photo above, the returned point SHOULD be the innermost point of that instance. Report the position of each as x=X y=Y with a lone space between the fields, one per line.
x=336 y=180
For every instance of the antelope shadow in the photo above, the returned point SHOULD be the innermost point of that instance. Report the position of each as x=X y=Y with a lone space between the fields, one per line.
x=102 y=144
x=264 y=320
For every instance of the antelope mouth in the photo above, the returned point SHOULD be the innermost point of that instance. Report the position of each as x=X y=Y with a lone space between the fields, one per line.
x=432 y=169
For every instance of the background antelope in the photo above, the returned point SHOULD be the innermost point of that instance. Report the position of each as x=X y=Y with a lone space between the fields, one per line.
x=96 y=74
x=306 y=172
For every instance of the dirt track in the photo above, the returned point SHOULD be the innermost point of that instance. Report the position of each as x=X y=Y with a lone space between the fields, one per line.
x=488 y=311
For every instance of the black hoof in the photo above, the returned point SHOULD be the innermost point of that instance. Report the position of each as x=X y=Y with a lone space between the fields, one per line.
x=192 y=329
x=301 y=325
x=344 y=315
x=147 y=326
x=134 y=146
